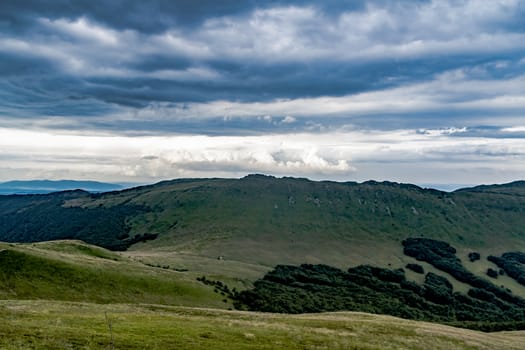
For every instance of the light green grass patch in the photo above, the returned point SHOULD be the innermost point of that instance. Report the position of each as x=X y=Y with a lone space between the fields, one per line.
x=66 y=325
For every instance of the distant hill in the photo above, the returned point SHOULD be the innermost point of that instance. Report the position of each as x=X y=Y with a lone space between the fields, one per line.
x=265 y=220
x=512 y=188
x=48 y=186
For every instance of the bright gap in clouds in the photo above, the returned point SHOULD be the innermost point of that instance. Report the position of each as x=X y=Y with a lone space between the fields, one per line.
x=415 y=156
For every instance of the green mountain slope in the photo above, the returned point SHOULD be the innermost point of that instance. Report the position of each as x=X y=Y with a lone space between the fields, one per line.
x=265 y=220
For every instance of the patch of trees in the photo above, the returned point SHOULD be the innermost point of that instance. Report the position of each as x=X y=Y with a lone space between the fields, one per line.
x=321 y=288
x=416 y=268
x=474 y=256
x=513 y=264
x=139 y=238
x=492 y=326
x=220 y=287
x=443 y=257
x=492 y=273
x=438 y=289
x=317 y=288
x=43 y=218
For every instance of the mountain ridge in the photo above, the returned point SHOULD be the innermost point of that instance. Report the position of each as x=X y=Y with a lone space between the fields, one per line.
x=45 y=186
x=260 y=213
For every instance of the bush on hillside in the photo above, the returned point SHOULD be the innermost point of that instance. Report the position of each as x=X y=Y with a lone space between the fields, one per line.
x=492 y=273
x=513 y=264
x=416 y=268
x=442 y=256
x=474 y=256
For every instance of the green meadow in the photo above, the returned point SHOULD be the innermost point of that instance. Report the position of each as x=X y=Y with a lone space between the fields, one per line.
x=41 y=324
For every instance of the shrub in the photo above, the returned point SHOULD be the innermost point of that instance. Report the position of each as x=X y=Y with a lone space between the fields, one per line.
x=512 y=264
x=416 y=268
x=492 y=273
x=474 y=256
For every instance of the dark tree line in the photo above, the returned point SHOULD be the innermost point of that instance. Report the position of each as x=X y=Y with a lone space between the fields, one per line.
x=41 y=218
x=319 y=288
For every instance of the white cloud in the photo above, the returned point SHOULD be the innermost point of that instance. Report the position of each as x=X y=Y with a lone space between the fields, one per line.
x=289 y=34
x=49 y=52
x=288 y=120
x=83 y=29
x=444 y=131
x=165 y=157
x=178 y=44
x=514 y=129
x=453 y=91
x=305 y=34
x=399 y=155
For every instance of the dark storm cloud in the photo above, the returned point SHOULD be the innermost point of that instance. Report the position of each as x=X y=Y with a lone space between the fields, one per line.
x=155 y=15
x=96 y=61
x=145 y=16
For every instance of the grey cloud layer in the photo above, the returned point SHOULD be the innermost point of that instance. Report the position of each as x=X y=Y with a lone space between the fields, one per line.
x=96 y=58
x=118 y=90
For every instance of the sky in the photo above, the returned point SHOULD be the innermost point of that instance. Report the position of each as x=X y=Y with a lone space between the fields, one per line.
x=417 y=91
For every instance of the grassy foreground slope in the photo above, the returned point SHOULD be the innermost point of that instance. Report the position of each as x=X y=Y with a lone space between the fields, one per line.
x=66 y=325
x=75 y=271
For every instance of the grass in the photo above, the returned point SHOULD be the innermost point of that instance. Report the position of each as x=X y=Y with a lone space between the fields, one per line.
x=56 y=295
x=76 y=248
x=66 y=325
x=235 y=273
x=74 y=271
